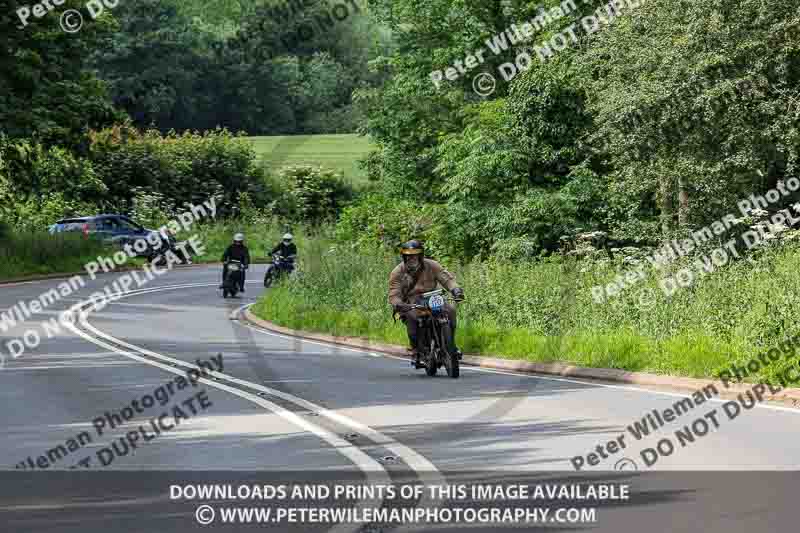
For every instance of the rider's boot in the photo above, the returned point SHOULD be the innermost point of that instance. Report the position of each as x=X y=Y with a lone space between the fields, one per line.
x=458 y=351
x=414 y=353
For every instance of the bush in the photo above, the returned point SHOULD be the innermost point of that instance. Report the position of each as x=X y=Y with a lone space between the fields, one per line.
x=151 y=208
x=185 y=168
x=315 y=195
x=38 y=214
x=39 y=185
x=377 y=220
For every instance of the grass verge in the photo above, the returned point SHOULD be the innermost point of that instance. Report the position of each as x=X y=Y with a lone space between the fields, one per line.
x=25 y=254
x=545 y=311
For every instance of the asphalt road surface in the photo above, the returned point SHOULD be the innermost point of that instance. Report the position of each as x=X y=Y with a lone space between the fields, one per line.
x=281 y=405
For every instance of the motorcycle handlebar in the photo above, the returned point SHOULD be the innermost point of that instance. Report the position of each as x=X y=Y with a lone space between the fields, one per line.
x=417 y=306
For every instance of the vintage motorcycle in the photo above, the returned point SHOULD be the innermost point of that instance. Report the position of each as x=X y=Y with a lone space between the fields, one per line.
x=280 y=265
x=234 y=278
x=435 y=342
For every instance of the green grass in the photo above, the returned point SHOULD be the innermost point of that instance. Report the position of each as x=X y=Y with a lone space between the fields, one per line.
x=545 y=311
x=25 y=254
x=337 y=152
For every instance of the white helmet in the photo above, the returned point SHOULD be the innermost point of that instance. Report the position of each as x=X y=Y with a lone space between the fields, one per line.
x=239 y=237
x=288 y=237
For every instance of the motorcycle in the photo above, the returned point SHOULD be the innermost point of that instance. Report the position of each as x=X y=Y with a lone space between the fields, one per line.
x=435 y=342
x=234 y=278
x=278 y=266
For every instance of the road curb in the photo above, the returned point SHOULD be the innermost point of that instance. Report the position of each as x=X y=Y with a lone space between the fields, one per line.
x=658 y=381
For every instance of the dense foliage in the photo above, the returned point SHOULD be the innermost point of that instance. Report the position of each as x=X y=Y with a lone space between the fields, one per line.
x=651 y=126
x=266 y=67
x=40 y=184
x=46 y=93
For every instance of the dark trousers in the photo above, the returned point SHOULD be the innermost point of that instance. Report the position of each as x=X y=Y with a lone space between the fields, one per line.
x=410 y=318
x=225 y=275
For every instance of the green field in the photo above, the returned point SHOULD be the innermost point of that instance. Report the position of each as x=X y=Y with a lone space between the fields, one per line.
x=337 y=152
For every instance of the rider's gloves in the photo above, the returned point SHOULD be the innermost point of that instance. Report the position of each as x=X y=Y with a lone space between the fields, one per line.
x=458 y=293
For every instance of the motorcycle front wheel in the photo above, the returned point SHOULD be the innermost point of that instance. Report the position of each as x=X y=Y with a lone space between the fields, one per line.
x=448 y=347
x=431 y=359
x=268 y=277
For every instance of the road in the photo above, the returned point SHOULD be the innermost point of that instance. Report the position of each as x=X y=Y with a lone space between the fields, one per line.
x=283 y=405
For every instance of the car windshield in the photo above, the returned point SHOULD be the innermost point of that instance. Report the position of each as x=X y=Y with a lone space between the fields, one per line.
x=126 y=223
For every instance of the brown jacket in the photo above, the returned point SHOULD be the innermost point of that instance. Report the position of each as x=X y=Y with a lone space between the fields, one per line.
x=432 y=272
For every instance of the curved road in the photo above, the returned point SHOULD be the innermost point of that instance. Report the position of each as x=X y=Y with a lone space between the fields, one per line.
x=281 y=404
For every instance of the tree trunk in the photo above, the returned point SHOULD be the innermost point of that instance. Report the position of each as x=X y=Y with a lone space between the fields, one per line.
x=667 y=212
x=683 y=203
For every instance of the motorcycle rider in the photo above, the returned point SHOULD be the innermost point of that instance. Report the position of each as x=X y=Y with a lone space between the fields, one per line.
x=413 y=277
x=238 y=252
x=286 y=249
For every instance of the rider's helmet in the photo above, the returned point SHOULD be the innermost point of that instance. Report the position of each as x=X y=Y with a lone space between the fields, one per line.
x=288 y=238
x=412 y=248
x=238 y=238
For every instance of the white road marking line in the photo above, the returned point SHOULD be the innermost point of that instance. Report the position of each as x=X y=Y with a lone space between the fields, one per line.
x=413 y=456
x=373 y=470
x=413 y=459
x=289 y=381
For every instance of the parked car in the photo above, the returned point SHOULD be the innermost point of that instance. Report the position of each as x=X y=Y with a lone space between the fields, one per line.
x=117 y=230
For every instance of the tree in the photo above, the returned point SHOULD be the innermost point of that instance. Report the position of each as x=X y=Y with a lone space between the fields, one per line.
x=46 y=88
x=694 y=104
x=155 y=66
